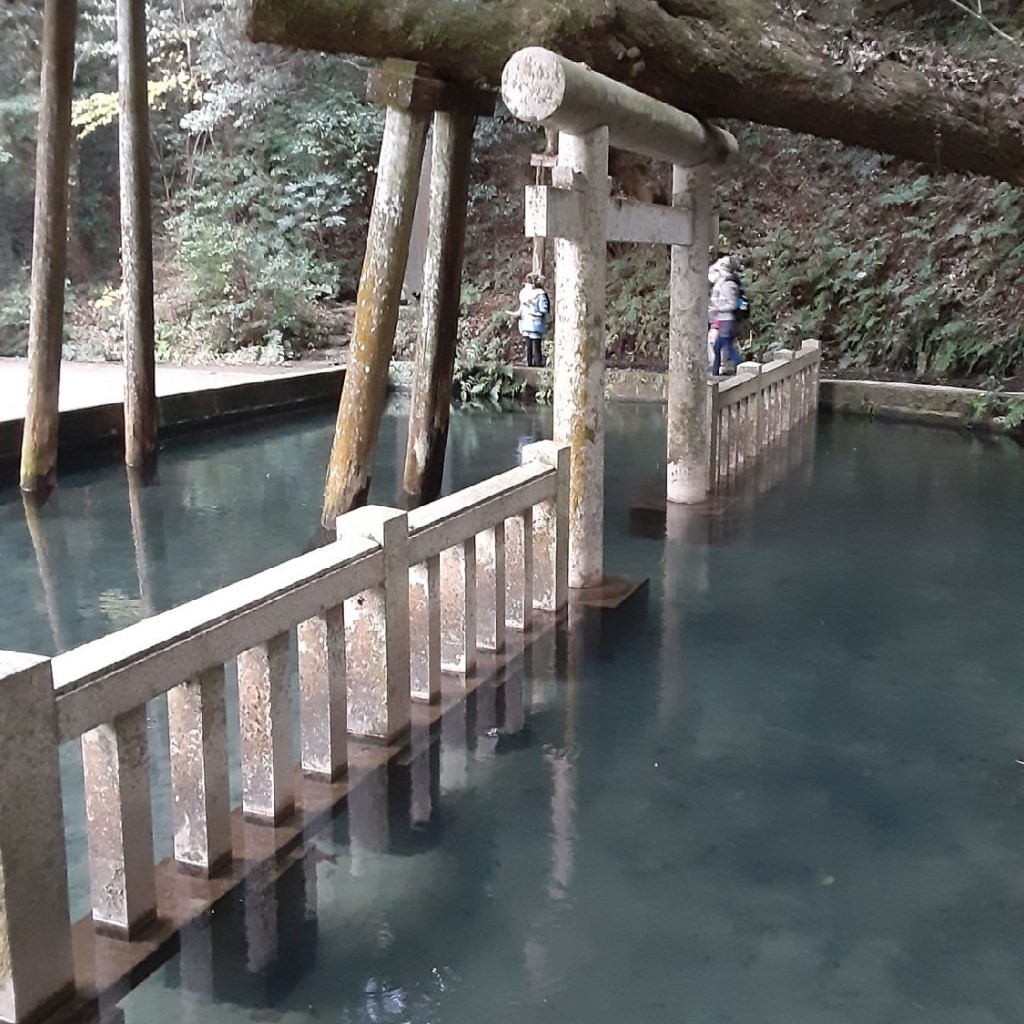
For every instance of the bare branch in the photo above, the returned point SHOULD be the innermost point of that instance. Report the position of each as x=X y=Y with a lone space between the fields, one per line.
x=979 y=15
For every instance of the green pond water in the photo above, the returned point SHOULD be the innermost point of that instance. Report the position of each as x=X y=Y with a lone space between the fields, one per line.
x=784 y=785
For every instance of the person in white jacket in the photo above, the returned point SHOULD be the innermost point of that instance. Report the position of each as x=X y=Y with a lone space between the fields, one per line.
x=533 y=313
x=725 y=298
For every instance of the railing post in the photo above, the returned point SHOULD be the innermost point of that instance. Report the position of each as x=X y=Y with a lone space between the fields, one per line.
x=323 y=701
x=458 y=609
x=35 y=930
x=200 y=799
x=490 y=580
x=551 y=530
x=519 y=571
x=268 y=786
x=115 y=758
x=786 y=391
x=814 y=374
x=425 y=629
x=754 y=414
x=377 y=630
x=714 y=431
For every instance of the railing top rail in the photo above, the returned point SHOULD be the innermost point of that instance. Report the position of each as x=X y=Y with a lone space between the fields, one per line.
x=739 y=387
x=457 y=517
x=100 y=680
x=743 y=385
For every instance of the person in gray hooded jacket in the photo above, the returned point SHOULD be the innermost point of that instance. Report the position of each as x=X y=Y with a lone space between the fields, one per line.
x=725 y=298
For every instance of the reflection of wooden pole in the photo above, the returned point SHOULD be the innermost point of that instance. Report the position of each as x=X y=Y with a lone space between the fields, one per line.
x=140 y=422
x=49 y=248
x=139 y=542
x=442 y=285
x=380 y=288
x=44 y=566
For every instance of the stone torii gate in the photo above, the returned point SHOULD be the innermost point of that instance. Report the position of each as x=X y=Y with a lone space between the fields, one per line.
x=591 y=112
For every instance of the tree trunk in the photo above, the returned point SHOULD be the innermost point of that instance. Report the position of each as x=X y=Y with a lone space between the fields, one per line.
x=140 y=410
x=746 y=59
x=49 y=249
x=442 y=291
x=380 y=287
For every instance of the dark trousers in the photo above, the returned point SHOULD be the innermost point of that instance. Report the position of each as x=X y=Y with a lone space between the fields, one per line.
x=725 y=344
x=534 y=353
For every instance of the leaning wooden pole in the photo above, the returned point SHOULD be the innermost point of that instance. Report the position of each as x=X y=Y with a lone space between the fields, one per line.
x=49 y=248
x=411 y=94
x=140 y=411
x=380 y=289
x=439 y=320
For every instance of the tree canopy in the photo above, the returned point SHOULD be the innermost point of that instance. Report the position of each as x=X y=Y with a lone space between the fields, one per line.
x=883 y=74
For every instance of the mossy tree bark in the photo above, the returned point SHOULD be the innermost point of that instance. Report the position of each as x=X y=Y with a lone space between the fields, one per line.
x=140 y=409
x=364 y=393
x=748 y=59
x=49 y=249
x=439 y=323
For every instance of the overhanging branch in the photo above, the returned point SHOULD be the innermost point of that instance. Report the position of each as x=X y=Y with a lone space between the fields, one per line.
x=740 y=59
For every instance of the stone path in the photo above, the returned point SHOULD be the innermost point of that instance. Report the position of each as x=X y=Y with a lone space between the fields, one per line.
x=83 y=385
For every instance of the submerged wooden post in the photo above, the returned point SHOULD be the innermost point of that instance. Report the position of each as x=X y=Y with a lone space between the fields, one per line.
x=140 y=413
x=439 y=317
x=688 y=442
x=380 y=288
x=35 y=931
x=49 y=248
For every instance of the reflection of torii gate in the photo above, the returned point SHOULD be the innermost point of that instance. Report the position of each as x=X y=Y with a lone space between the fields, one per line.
x=590 y=112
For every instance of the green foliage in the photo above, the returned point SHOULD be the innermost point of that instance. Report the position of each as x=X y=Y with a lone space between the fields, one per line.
x=247 y=287
x=481 y=383
x=275 y=159
x=995 y=407
x=918 y=278
x=14 y=317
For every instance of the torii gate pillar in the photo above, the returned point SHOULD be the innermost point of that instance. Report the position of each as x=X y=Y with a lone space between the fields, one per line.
x=579 y=351
x=688 y=442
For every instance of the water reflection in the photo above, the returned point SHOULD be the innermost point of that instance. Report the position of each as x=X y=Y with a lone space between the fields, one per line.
x=50 y=549
x=370 y=887
x=787 y=791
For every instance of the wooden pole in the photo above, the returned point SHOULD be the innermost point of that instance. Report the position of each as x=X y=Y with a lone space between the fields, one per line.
x=49 y=248
x=380 y=288
x=140 y=410
x=442 y=289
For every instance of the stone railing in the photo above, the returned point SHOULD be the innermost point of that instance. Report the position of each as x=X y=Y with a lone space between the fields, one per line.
x=377 y=616
x=754 y=411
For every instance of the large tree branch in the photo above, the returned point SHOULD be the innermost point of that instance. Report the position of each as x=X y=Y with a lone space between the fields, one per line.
x=743 y=59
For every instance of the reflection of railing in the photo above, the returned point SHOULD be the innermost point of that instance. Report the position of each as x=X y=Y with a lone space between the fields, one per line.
x=378 y=614
x=755 y=410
